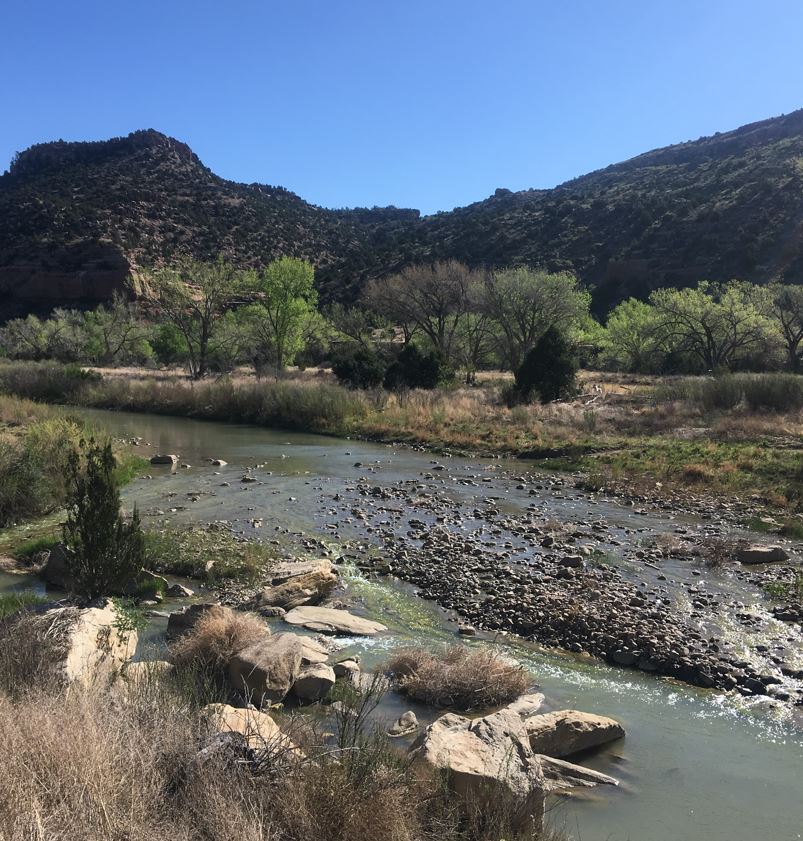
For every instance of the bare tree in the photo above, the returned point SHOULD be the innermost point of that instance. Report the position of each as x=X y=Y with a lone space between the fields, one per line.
x=431 y=299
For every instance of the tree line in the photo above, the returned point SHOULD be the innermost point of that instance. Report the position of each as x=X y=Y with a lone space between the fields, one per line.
x=419 y=327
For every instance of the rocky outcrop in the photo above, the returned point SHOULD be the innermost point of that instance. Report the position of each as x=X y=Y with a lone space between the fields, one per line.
x=265 y=671
x=328 y=620
x=298 y=583
x=566 y=732
x=78 y=646
x=484 y=759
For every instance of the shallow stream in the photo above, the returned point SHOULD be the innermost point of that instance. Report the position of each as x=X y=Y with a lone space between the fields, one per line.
x=696 y=765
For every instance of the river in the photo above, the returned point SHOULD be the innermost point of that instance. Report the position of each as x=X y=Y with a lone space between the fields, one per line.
x=695 y=764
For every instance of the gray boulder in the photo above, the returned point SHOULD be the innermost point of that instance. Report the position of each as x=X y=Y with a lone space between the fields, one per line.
x=328 y=620
x=314 y=682
x=265 y=671
x=757 y=554
x=298 y=583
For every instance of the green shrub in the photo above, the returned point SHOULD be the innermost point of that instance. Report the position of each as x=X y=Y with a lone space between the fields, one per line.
x=358 y=367
x=32 y=547
x=415 y=368
x=104 y=552
x=548 y=370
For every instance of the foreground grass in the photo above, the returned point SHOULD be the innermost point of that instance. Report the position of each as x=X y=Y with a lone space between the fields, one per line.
x=122 y=762
x=740 y=435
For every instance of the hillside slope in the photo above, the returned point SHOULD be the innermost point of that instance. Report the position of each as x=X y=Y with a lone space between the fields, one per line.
x=76 y=219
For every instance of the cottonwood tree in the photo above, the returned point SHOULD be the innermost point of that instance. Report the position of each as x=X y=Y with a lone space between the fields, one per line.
x=787 y=313
x=429 y=299
x=714 y=322
x=194 y=297
x=525 y=302
x=284 y=308
x=633 y=339
x=115 y=332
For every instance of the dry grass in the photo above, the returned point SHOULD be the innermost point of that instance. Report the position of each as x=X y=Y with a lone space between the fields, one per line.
x=125 y=767
x=216 y=638
x=31 y=650
x=458 y=677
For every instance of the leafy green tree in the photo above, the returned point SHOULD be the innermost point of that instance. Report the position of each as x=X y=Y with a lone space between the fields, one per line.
x=716 y=323
x=194 y=296
x=633 y=339
x=104 y=552
x=525 y=302
x=548 y=370
x=169 y=344
x=285 y=304
x=787 y=313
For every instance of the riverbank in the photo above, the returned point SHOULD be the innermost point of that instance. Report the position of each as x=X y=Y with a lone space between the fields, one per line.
x=697 y=736
x=638 y=436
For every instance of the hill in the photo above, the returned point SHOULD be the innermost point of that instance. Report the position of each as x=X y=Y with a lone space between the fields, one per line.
x=77 y=219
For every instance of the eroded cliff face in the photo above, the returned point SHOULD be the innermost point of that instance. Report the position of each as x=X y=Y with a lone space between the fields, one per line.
x=76 y=276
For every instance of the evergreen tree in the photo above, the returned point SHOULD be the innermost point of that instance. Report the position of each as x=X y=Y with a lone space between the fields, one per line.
x=548 y=370
x=104 y=552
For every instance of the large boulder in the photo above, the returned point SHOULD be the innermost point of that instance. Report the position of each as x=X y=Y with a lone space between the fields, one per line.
x=312 y=651
x=170 y=459
x=260 y=731
x=182 y=621
x=484 y=759
x=75 y=646
x=565 y=732
x=298 y=583
x=97 y=645
x=329 y=620
x=314 y=682
x=265 y=671
x=757 y=554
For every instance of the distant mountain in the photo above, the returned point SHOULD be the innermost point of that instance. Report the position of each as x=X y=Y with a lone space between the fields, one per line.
x=77 y=219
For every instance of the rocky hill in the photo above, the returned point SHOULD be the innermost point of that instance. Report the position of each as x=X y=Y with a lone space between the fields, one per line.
x=77 y=219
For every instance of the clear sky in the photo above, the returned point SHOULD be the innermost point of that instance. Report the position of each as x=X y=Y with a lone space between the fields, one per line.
x=418 y=103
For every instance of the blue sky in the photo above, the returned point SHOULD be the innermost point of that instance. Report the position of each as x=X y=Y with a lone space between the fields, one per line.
x=418 y=104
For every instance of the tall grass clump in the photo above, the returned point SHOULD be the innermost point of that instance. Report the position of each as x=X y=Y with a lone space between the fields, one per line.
x=459 y=677
x=48 y=382
x=216 y=637
x=773 y=392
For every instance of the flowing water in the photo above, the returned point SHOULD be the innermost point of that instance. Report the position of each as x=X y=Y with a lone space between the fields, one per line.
x=695 y=764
